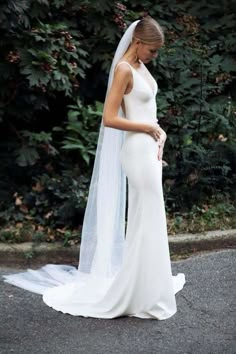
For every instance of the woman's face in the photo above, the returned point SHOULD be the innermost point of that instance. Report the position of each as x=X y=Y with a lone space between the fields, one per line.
x=147 y=52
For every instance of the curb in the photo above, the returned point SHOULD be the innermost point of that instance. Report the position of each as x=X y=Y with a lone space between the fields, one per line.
x=31 y=254
x=211 y=240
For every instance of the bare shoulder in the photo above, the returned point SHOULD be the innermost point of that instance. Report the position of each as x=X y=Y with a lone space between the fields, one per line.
x=122 y=82
x=123 y=70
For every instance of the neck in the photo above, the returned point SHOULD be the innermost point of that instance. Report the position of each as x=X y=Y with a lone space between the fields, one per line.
x=131 y=56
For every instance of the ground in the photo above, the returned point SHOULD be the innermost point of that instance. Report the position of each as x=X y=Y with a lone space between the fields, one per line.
x=203 y=324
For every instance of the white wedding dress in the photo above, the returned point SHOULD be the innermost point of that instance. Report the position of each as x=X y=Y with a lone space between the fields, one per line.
x=144 y=286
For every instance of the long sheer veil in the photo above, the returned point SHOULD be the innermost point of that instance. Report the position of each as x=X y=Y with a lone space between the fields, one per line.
x=103 y=230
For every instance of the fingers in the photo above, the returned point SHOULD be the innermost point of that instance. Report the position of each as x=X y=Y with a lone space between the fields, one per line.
x=156 y=133
x=156 y=136
x=164 y=163
x=160 y=153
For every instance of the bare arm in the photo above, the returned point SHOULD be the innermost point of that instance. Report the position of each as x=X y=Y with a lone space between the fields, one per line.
x=121 y=82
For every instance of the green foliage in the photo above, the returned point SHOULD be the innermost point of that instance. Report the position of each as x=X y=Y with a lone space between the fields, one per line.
x=38 y=58
x=34 y=145
x=54 y=60
x=82 y=129
x=50 y=63
x=56 y=200
x=52 y=201
x=196 y=104
x=214 y=214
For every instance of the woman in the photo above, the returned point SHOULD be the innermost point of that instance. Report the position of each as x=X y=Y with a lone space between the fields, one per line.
x=117 y=275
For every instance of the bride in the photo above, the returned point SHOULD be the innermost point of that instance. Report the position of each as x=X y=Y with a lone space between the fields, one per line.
x=121 y=273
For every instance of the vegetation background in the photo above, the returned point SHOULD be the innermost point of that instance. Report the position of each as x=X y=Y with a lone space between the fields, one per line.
x=54 y=62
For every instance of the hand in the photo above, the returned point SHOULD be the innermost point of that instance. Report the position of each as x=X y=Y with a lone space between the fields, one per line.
x=163 y=137
x=161 y=144
x=155 y=131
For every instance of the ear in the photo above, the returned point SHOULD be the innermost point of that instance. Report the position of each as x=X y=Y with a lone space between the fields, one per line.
x=137 y=41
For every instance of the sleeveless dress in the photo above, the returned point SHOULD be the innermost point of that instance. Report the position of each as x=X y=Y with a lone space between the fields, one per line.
x=144 y=286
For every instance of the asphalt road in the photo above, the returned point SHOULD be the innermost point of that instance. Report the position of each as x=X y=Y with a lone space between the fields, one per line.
x=204 y=323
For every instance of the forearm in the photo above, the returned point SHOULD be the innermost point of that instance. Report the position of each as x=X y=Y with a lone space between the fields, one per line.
x=128 y=125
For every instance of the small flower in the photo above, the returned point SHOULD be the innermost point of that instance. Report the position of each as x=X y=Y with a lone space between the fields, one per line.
x=120 y=6
x=223 y=77
x=76 y=85
x=118 y=19
x=222 y=138
x=13 y=57
x=41 y=88
x=67 y=35
x=46 y=67
x=70 y=47
x=73 y=64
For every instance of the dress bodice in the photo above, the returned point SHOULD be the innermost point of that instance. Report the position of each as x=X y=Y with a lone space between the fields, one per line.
x=140 y=102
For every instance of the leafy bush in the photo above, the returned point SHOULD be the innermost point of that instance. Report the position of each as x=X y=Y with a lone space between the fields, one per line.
x=214 y=214
x=196 y=103
x=53 y=201
x=81 y=129
x=53 y=71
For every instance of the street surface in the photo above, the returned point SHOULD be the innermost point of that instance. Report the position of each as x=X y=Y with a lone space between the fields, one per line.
x=204 y=323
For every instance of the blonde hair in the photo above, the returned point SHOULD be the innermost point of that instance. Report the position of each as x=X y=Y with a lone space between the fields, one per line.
x=149 y=31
